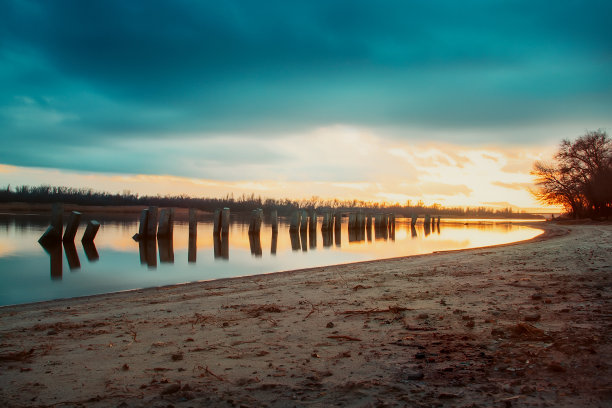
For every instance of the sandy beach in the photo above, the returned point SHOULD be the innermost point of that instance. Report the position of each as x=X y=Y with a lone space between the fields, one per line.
x=520 y=325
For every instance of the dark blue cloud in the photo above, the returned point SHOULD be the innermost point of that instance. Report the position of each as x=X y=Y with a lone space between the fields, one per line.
x=93 y=73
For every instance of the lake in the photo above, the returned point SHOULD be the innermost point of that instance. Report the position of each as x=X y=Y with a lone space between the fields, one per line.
x=31 y=273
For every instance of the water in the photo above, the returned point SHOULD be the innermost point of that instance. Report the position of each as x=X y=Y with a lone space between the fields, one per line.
x=31 y=273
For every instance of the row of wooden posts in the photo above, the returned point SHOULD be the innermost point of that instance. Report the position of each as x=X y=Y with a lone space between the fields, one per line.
x=55 y=234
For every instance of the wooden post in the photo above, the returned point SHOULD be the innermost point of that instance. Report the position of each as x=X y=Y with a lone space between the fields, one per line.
x=294 y=225
x=337 y=221
x=90 y=231
x=274 y=221
x=256 y=220
x=144 y=219
x=325 y=222
x=192 y=249
x=274 y=242
x=427 y=221
x=413 y=220
x=72 y=226
x=369 y=222
x=217 y=222
x=171 y=223
x=304 y=221
x=312 y=225
x=193 y=222
x=53 y=234
x=152 y=222
x=351 y=222
x=164 y=223
x=225 y=221
x=438 y=223
x=57 y=218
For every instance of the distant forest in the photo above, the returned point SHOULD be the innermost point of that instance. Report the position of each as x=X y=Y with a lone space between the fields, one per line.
x=244 y=203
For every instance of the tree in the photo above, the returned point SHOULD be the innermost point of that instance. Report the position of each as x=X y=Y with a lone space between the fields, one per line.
x=580 y=178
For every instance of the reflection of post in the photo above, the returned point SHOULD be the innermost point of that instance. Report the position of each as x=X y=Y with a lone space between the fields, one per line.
x=274 y=242
x=166 y=250
x=255 y=243
x=381 y=233
x=312 y=236
x=55 y=259
x=413 y=232
x=295 y=240
x=171 y=223
x=90 y=251
x=192 y=251
x=151 y=252
x=337 y=221
x=256 y=220
x=413 y=220
x=427 y=228
x=224 y=246
x=142 y=250
x=304 y=240
x=72 y=226
x=338 y=235
x=71 y=255
x=369 y=234
x=221 y=244
x=328 y=236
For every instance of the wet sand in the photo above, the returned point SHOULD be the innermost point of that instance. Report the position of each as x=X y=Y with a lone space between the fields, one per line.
x=526 y=324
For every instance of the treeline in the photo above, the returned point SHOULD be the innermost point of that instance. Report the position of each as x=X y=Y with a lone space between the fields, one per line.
x=244 y=203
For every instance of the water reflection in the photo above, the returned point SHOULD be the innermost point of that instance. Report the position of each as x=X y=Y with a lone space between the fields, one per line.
x=115 y=267
x=71 y=255
x=255 y=244
x=274 y=242
x=192 y=252
x=90 y=251
x=221 y=246
x=55 y=259
x=166 y=249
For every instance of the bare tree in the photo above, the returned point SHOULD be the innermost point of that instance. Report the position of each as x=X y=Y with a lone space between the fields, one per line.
x=580 y=179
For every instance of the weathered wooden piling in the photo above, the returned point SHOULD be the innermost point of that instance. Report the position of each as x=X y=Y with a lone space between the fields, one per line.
x=163 y=231
x=337 y=221
x=144 y=219
x=193 y=222
x=295 y=240
x=312 y=223
x=221 y=246
x=53 y=234
x=72 y=226
x=171 y=223
x=166 y=249
x=304 y=221
x=90 y=231
x=256 y=221
x=217 y=222
x=296 y=218
x=326 y=222
x=413 y=220
x=255 y=244
x=352 y=221
x=427 y=221
x=274 y=221
x=152 y=222
x=225 y=221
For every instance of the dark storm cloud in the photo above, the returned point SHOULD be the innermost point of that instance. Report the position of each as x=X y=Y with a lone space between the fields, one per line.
x=92 y=73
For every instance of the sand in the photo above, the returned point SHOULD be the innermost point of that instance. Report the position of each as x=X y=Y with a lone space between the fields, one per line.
x=525 y=324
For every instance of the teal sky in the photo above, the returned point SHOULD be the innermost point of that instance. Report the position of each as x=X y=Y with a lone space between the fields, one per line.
x=189 y=88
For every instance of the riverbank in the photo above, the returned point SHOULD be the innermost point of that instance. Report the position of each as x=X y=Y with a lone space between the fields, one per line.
x=524 y=324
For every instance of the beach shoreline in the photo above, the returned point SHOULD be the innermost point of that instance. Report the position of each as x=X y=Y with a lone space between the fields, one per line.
x=522 y=324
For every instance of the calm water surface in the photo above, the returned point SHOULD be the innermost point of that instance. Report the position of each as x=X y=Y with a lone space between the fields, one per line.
x=31 y=273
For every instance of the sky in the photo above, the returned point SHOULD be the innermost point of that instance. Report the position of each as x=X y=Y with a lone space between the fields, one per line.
x=442 y=101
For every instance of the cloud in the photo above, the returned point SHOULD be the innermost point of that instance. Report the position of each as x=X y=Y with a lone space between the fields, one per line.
x=79 y=78
x=513 y=186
